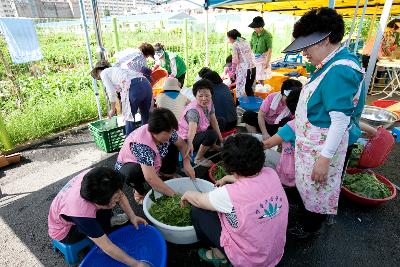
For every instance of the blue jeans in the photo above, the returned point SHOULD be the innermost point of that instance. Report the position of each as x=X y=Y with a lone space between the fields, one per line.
x=140 y=96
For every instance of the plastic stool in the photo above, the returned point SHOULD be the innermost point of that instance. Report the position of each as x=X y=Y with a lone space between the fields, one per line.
x=295 y=57
x=71 y=251
x=396 y=133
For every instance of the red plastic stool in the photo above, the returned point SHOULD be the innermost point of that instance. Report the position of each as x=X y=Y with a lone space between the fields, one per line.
x=230 y=132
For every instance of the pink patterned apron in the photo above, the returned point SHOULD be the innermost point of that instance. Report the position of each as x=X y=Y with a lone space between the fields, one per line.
x=319 y=197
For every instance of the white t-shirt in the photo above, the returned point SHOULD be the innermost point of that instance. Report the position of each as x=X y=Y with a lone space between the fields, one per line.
x=220 y=200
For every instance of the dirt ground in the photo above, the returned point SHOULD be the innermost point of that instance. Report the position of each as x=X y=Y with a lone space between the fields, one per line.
x=357 y=236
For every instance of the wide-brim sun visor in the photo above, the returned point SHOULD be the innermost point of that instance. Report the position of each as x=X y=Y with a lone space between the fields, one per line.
x=305 y=41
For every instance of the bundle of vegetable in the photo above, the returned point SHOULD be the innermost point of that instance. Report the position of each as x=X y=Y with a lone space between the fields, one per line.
x=366 y=185
x=168 y=210
x=355 y=155
x=219 y=171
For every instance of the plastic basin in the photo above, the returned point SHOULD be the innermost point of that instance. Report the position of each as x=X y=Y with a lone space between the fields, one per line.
x=177 y=234
x=145 y=244
x=365 y=200
x=252 y=103
x=384 y=103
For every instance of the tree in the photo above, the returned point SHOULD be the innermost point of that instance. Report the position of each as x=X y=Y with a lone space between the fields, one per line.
x=107 y=13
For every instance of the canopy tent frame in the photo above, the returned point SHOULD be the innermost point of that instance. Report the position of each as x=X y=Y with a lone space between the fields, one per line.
x=382 y=24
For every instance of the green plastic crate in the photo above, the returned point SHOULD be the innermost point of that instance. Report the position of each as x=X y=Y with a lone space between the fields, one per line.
x=107 y=135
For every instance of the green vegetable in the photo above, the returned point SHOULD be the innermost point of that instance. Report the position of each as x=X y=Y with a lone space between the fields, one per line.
x=219 y=172
x=355 y=155
x=366 y=185
x=168 y=210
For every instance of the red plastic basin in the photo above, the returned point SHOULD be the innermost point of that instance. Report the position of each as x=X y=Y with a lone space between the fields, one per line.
x=365 y=200
x=384 y=103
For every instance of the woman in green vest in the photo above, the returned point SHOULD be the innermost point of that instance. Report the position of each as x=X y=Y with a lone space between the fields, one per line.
x=171 y=62
x=261 y=44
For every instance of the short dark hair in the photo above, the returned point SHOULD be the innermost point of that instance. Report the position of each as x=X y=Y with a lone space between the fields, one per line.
x=162 y=120
x=292 y=100
x=234 y=34
x=158 y=46
x=243 y=154
x=203 y=71
x=100 y=184
x=291 y=84
x=202 y=84
x=392 y=24
x=147 y=49
x=228 y=59
x=213 y=77
x=320 y=20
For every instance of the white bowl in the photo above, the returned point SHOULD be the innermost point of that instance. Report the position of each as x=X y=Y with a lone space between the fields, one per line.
x=177 y=234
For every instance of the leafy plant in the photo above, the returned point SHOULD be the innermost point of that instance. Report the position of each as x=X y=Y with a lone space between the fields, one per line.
x=367 y=185
x=219 y=171
x=355 y=155
x=168 y=210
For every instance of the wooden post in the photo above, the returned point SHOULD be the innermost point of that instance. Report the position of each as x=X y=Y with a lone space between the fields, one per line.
x=4 y=136
x=186 y=41
x=226 y=30
x=115 y=31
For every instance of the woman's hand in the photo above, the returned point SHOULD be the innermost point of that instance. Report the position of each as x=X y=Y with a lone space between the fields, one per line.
x=184 y=199
x=136 y=220
x=140 y=264
x=187 y=167
x=220 y=182
x=320 y=170
x=190 y=150
x=265 y=136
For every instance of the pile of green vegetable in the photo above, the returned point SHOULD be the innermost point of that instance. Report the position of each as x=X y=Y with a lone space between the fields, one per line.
x=219 y=172
x=355 y=155
x=366 y=185
x=168 y=210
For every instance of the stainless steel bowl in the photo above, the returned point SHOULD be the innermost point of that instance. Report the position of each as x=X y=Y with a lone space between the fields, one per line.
x=375 y=116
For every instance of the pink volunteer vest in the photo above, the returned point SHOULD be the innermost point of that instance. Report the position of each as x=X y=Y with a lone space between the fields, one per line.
x=203 y=124
x=286 y=167
x=262 y=209
x=140 y=136
x=69 y=202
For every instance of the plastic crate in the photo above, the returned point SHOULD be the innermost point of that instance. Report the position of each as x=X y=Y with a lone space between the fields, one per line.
x=107 y=135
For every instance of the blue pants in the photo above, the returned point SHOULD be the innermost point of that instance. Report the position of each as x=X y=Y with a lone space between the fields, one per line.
x=140 y=95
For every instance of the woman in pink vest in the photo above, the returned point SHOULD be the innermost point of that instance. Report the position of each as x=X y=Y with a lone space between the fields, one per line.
x=245 y=219
x=287 y=137
x=151 y=152
x=83 y=208
x=273 y=111
x=198 y=125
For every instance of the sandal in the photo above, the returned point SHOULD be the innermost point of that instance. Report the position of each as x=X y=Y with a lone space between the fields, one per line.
x=214 y=260
x=138 y=198
x=203 y=162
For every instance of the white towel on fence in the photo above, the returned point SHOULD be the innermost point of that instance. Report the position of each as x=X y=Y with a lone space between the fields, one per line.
x=21 y=38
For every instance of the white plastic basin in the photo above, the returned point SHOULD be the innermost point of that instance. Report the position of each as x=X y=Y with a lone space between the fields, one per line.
x=177 y=234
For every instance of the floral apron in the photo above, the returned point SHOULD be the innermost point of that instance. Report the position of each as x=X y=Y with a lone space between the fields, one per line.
x=241 y=75
x=319 y=197
x=261 y=72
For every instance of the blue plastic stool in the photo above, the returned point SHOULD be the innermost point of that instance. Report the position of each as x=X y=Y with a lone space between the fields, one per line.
x=71 y=251
x=293 y=58
x=396 y=133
